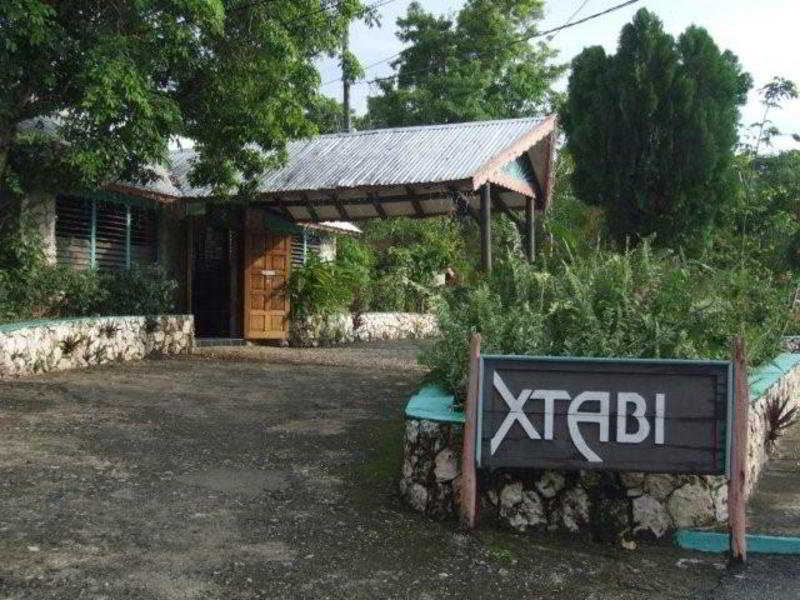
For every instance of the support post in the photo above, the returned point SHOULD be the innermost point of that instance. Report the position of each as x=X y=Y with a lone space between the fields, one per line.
x=469 y=481
x=530 y=233
x=486 y=228
x=189 y=262
x=737 y=484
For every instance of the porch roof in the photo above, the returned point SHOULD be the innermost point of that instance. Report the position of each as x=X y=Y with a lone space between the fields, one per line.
x=410 y=171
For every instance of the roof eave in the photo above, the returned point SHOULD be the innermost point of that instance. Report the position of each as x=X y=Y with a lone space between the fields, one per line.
x=489 y=170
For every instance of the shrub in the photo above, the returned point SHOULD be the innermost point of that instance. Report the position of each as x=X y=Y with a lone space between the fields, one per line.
x=60 y=291
x=632 y=304
x=139 y=290
x=319 y=288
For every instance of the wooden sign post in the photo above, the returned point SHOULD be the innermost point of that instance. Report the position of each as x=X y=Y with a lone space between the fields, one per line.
x=737 y=482
x=469 y=483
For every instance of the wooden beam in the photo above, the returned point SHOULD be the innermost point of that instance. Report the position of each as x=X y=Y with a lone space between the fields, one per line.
x=529 y=235
x=469 y=480
x=310 y=208
x=486 y=228
x=340 y=207
x=281 y=210
x=189 y=262
x=356 y=201
x=538 y=187
x=415 y=202
x=379 y=208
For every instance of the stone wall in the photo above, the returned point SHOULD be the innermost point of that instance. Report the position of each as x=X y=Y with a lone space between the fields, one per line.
x=347 y=328
x=41 y=346
x=615 y=507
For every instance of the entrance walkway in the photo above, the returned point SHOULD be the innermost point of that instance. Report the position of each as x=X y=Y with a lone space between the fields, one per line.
x=775 y=507
x=773 y=510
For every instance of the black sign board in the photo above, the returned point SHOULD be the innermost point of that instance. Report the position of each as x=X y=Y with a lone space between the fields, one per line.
x=658 y=416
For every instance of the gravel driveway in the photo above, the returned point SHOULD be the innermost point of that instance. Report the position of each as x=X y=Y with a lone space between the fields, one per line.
x=244 y=476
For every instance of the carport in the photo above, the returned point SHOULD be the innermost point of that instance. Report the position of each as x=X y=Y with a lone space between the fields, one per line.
x=424 y=171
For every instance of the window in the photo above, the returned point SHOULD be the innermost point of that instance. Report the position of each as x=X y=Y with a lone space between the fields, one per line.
x=104 y=234
x=303 y=244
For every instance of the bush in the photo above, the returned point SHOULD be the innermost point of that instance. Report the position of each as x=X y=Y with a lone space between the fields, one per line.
x=633 y=304
x=409 y=253
x=139 y=290
x=61 y=291
x=58 y=291
x=319 y=288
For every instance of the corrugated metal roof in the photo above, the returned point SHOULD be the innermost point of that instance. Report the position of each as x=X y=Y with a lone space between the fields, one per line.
x=381 y=157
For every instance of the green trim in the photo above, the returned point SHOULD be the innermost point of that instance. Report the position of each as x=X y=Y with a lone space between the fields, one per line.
x=10 y=327
x=710 y=541
x=432 y=403
x=768 y=374
x=128 y=236
x=479 y=408
x=603 y=359
x=118 y=198
x=281 y=225
x=93 y=235
x=520 y=168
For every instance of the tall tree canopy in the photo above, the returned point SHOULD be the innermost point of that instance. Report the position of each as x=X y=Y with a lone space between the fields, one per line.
x=119 y=79
x=652 y=130
x=474 y=67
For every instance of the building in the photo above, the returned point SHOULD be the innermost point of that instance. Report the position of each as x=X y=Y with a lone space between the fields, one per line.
x=232 y=260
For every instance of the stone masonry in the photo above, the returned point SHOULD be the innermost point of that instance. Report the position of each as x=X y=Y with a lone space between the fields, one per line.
x=38 y=347
x=615 y=507
x=372 y=326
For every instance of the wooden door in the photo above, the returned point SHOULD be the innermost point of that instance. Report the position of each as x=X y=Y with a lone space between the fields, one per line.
x=267 y=261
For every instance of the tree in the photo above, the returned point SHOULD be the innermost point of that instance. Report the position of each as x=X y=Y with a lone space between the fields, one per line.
x=326 y=114
x=474 y=67
x=118 y=79
x=652 y=131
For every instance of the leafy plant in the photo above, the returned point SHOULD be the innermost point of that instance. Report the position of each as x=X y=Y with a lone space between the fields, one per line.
x=638 y=303
x=151 y=324
x=139 y=290
x=779 y=418
x=109 y=330
x=230 y=75
x=319 y=288
x=70 y=343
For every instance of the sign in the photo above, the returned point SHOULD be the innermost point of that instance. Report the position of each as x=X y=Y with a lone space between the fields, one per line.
x=658 y=416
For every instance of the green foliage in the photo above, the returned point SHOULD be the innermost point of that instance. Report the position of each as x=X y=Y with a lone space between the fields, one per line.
x=123 y=77
x=468 y=68
x=639 y=303
x=652 y=131
x=356 y=261
x=326 y=114
x=568 y=222
x=409 y=253
x=140 y=290
x=319 y=288
x=31 y=288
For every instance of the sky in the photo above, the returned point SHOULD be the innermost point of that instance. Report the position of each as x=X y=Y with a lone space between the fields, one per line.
x=764 y=34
